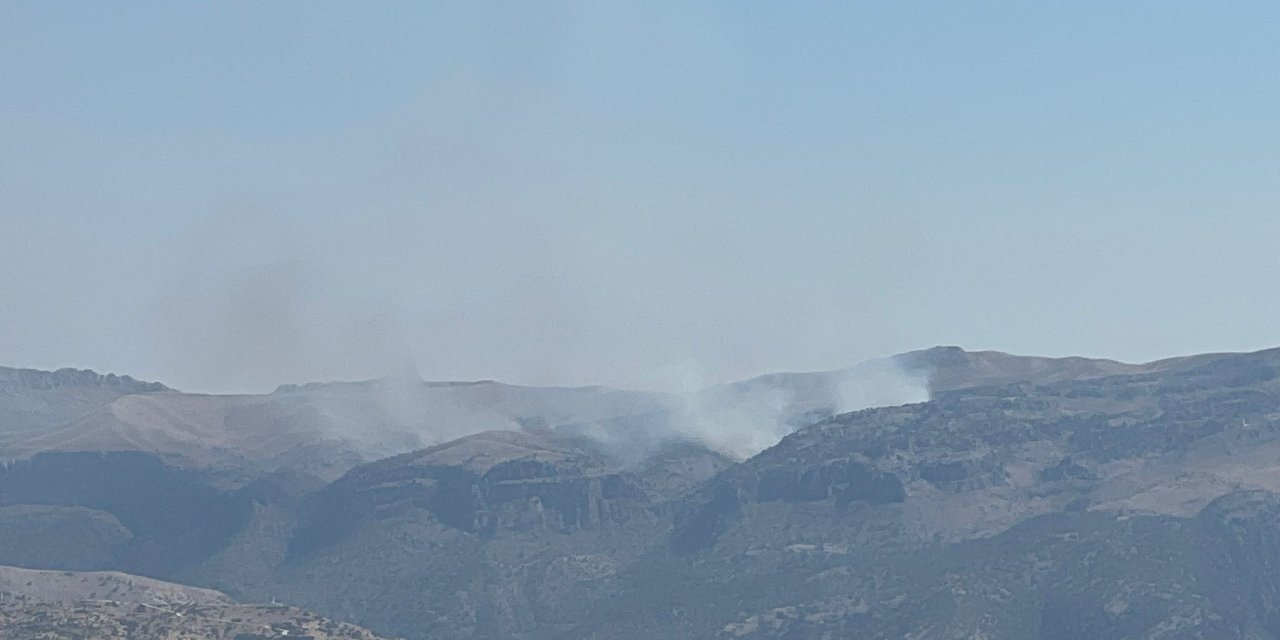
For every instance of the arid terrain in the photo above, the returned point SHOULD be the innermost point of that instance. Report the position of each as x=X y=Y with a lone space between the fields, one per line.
x=1025 y=498
x=63 y=605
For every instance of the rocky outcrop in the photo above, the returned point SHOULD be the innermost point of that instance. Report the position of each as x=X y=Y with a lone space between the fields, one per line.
x=482 y=484
x=36 y=402
x=22 y=617
x=66 y=605
x=16 y=380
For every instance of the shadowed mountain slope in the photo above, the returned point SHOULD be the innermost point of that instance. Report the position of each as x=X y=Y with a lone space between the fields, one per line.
x=1028 y=498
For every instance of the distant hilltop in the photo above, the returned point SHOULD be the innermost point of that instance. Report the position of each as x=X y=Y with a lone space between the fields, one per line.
x=34 y=379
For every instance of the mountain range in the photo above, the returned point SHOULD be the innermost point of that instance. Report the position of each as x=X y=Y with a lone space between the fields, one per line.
x=935 y=494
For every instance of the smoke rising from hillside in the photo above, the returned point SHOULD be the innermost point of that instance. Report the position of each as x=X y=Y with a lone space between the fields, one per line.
x=256 y=308
x=738 y=420
x=884 y=382
x=742 y=419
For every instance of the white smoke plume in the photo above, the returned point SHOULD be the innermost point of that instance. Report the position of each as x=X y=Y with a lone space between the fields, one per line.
x=880 y=383
x=265 y=315
x=400 y=413
x=742 y=419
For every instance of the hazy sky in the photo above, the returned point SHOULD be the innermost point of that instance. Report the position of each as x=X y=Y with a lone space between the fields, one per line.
x=227 y=196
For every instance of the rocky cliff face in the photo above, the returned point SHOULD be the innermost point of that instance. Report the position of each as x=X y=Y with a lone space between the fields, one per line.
x=491 y=535
x=482 y=484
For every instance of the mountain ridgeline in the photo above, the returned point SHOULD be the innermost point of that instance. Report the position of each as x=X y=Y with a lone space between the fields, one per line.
x=1013 y=498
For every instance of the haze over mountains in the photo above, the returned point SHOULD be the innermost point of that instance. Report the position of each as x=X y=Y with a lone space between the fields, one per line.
x=328 y=426
x=936 y=494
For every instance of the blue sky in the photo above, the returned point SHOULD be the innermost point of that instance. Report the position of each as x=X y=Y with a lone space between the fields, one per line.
x=228 y=196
